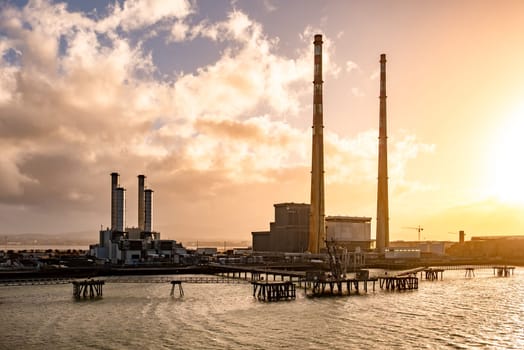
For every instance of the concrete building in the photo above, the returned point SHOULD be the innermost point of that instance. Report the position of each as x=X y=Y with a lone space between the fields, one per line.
x=424 y=247
x=504 y=247
x=289 y=232
x=402 y=253
x=350 y=232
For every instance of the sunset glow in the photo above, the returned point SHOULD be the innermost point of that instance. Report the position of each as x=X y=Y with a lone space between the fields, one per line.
x=212 y=100
x=508 y=167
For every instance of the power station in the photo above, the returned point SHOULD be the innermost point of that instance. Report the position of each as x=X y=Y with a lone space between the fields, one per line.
x=300 y=227
x=290 y=232
x=132 y=245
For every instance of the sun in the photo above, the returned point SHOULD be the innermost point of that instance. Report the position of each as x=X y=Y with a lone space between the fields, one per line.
x=507 y=160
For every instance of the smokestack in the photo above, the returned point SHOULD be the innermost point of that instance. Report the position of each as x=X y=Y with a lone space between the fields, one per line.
x=148 y=222
x=114 y=185
x=382 y=235
x=120 y=209
x=317 y=230
x=141 y=202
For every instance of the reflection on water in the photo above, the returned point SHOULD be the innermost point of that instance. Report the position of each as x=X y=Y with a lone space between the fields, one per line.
x=458 y=313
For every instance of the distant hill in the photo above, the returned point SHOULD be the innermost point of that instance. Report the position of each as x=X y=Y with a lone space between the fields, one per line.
x=91 y=237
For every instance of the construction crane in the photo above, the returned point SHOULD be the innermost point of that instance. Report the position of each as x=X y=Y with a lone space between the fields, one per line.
x=418 y=228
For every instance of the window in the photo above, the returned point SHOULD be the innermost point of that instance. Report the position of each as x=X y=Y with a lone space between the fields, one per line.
x=318 y=50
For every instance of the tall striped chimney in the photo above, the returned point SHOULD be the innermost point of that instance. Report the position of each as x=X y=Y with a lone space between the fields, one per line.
x=141 y=202
x=317 y=230
x=382 y=188
x=114 y=185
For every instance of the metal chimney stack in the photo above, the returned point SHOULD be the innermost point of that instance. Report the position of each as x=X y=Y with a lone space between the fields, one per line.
x=114 y=185
x=141 y=202
x=148 y=222
x=317 y=230
x=120 y=194
x=382 y=235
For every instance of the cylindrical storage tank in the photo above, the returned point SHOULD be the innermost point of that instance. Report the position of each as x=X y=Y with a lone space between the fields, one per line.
x=114 y=185
x=148 y=222
x=141 y=202
x=120 y=209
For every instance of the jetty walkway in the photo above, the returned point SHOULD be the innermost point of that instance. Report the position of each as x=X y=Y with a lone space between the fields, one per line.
x=431 y=273
x=208 y=279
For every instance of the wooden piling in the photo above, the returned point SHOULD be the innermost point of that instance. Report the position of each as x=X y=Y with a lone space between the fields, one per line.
x=432 y=274
x=321 y=287
x=87 y=288
x=398 y=283
x=180 y=289
x=274 y=291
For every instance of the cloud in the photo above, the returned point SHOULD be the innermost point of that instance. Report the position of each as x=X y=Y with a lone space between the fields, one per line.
x=329 y=65
x=79 y=99
x=136 y=14
x=269 y=6
x=350 y=66
x=357 y=92
x=355 y=160
x=375 y=75
x=179 y=31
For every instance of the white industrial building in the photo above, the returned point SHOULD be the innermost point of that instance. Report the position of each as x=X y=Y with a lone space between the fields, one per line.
x=351 y=232
x=120 y=245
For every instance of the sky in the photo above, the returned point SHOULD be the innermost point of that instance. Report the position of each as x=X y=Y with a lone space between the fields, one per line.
x=212 y=101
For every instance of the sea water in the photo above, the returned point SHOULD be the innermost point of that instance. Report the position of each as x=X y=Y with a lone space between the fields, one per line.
x=483 y=312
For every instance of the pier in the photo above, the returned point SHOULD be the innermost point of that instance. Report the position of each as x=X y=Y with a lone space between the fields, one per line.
x=203 y=279
x=34 y=281
x=431 y=273
x=274 y=291
x=340 y=287
x=398 y=283
x=503 y=271
x=87 y=288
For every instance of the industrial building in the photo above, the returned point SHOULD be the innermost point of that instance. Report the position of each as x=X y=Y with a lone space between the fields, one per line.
x=122 y=245
x=503 y=247
x=350 y=232
x=290 y=231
